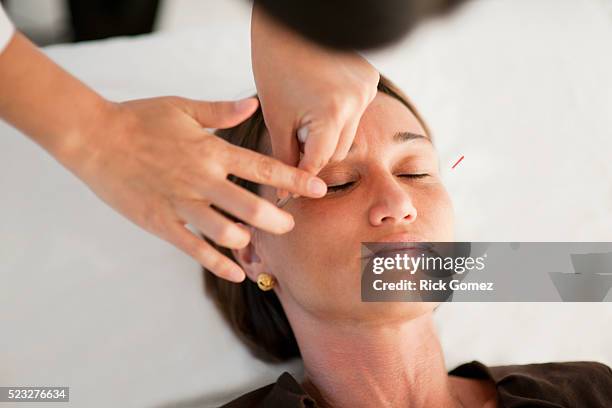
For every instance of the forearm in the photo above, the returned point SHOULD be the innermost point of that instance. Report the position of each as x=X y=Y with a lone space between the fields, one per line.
x=267 y=33
x=272 y=38
x=45 y=102
x=309 y=90
x=278 y=51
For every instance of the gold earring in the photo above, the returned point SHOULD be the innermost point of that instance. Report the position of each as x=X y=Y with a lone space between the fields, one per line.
x=265 y=281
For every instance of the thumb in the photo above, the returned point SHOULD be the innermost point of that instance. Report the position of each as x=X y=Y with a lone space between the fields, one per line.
x=222 y=114
x=284 y=145
x=319 y=147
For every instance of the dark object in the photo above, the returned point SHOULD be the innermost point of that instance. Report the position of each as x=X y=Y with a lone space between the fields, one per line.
x=355 y=24
x=585 y=384
x=97 y=19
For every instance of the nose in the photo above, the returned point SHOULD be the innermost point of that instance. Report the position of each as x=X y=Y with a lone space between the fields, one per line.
x=393 y=203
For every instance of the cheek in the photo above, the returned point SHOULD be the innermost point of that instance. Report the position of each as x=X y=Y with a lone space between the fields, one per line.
x=435 y=209
x=321 y=236
x=331 y=229
x=318 y=256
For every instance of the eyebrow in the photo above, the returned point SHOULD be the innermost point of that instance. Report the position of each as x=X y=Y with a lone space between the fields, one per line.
x=401 y=137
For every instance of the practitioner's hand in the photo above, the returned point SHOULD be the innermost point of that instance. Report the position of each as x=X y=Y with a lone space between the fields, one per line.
x=152 y=161
x=302 y=85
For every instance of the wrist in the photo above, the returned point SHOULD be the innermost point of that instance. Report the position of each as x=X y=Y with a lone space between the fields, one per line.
x=80 y=144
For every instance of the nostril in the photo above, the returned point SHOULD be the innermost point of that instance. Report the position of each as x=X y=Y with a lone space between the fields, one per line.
x=393 y=210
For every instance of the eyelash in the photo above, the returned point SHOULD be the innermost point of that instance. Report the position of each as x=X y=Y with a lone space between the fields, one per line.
x=346 y=185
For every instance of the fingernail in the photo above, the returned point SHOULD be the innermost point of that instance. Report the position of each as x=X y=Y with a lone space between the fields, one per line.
x=302 y=134
x=317 y=186
x=291 y=224
x=281 y=193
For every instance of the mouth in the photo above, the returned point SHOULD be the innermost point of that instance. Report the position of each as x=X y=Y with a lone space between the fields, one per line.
x=394 y=244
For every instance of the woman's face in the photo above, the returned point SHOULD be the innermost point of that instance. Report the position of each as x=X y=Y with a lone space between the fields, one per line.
x=387 y=189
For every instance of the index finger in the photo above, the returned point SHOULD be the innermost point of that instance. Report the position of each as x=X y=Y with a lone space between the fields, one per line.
x=259 y=168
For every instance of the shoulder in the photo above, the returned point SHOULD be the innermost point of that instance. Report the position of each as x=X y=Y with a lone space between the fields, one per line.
x=250 y=399
x=573 y=383
x=558 y=369
x=286 y=392
x=575 y=374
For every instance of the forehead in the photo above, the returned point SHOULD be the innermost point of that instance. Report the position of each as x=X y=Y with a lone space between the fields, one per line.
x=384 y=117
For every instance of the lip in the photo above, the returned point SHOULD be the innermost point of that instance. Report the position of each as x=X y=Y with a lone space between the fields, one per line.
x=398 y=242
x=401 y=237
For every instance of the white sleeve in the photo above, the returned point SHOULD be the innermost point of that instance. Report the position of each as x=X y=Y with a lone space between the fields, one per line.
x=6 y=29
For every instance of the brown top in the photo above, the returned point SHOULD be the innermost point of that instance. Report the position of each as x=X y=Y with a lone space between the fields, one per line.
x=582 y=384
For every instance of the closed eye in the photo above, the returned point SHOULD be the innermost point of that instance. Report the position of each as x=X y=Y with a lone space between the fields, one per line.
x=344 y=186
x=340 y=186
x=414 y=176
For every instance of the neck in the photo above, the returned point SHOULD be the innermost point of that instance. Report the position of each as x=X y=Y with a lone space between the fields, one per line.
x=366 y=365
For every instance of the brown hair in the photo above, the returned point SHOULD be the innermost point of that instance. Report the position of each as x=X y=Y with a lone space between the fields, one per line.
x=257 y=317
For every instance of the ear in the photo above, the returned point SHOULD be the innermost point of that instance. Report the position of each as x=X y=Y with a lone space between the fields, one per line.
x=247 y=257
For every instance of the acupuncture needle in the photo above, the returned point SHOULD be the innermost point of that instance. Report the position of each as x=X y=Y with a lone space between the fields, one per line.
x=280 y=203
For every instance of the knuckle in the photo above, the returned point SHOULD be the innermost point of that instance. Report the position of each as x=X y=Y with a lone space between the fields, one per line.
x=161 y=229
x=216 y=161
x=212 y=263
x=156 y=222
x=257 y=214
x=171 y=99
x=263 y=168
x=211 y=146
x=197 y=250
x=334 y=110
x=300 y=178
